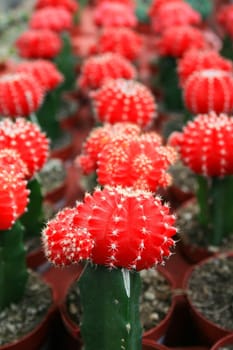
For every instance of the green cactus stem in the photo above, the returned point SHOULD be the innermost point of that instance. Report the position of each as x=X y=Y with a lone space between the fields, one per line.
x=13 y=269
x=142 y=9
x=227 y=48
x=169 y=84
x=205 y=8
x=110 y=309
x=216 y=212
x=33 y=219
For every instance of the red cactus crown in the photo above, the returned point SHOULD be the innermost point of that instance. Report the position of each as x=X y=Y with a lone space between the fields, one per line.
x=123 y=41
x=11 y=161
x=140 y=162
x=57 y=19
x=174 y=13
x=114 y=14
x=45 y=72
x=20 y=95
x=69 y=5
x=157 y=4
x=28 y=140
x=43 y=43
x=206 y=144
x=176 y=40
x=97 y=140
x=209 y=90
x=124 y=100
x=128 y=228
x=99 y=68
x=224 y=18
x=196 y=60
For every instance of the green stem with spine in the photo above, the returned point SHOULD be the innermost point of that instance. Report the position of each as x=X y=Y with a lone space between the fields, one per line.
x=13 y=269
x=110 y=308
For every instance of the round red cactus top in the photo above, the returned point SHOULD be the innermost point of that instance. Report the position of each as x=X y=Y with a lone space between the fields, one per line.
x=11 y=161
x=123 y=41
x=98 y=138
x=125 y=2
x=141 y=163
x=209 y=90
x=123 y=100
x=157 y=4
x=56 y=19
x=69 y=5
x=64 y=243
x=114 y=14
x=45 y=72
x=196 y=60
x=99 y=68
x=130 y=229
x=14 y=197
x=176 y=40
x=28 y=140
x=20 y=95
x=206 y=144
x=174 y=13
x=225 y=17
x=43 y=43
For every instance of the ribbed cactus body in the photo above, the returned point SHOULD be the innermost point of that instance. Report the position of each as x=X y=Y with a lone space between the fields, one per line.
x=110 y=309
x=13 y=269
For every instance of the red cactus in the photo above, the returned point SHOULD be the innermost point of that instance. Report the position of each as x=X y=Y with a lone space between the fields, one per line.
x=44 y=72
x=206 y=144
x=42 y=43
x=138 y=163
x=123 y=41
x=56 y=19
x=225 y=18
x=20 y=95
x=125 y=2
x=131 y=229
x=13 y=197
x=174 y=13
x=196 y=60
x=157 y=4
x=69 y=5
x=11 y=161
x=124 y=100
x=64 y=243
x=99 y=68
x=176 y=40
x=97 y=140
x=114 y=14
x=28 y=140
x=209 y=90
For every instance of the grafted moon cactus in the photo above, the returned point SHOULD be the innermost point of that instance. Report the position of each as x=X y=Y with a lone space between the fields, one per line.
x=123 y=41
x=205 y=146
x=141 y=163
x=69 y=5
x=209 y=90
x=196 y=60
x=176 y=40
x=98 y=138
x=43 y=43
x=174 y=13
x=114 y=14
x=130 y=229
x=27 y=139
x=20 y=95
x=96 y=69
x=121 y=231
x=45 y=72
x=57 y=19
x=123 y=100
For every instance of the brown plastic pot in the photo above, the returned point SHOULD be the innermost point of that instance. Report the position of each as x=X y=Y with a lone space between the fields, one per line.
x=36 y=258
x=210 y=332
x=36 y=338
x=223 y=342
x=64 y=153
x=154 y=333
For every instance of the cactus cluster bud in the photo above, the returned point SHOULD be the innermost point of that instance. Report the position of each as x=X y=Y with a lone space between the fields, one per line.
x=56 y=19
